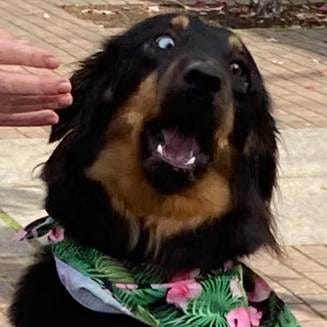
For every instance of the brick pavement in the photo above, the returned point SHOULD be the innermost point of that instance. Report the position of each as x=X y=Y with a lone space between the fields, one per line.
x=294 y=63
x=300 y=279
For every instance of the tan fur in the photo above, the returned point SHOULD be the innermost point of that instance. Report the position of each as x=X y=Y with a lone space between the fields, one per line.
x=180 y=23
x=223 y=154
x=235 y=43
x=118 y=169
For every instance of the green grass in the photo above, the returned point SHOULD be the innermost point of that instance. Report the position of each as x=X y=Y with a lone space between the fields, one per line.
x=9 y=221
x=13 y=224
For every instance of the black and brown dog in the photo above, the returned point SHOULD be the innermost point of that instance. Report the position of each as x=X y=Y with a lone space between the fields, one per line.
x=167 y=155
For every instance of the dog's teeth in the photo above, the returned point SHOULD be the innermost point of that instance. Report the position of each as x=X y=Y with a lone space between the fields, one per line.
x=160 y=149
x=191 y=161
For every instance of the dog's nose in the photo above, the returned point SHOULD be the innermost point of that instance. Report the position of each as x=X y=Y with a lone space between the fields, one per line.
x=202 y=76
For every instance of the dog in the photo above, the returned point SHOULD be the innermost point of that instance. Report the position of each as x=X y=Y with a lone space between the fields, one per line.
x=167 y=156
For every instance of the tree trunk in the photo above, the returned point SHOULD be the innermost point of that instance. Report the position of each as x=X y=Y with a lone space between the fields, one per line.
x=266 y=8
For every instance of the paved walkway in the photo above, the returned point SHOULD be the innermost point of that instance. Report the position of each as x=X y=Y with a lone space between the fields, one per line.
x=294 y=63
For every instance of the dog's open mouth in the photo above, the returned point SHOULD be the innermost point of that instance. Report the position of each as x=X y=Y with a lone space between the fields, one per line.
x=170 y=147
x=178 y=150
x=171 y=159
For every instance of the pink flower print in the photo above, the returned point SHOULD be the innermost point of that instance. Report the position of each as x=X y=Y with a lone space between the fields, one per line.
x=244 y=317
x=181 y=292
x=129 y=286
x=183 y=288
x=57 y=234
x=255 y=316
x=260 y=292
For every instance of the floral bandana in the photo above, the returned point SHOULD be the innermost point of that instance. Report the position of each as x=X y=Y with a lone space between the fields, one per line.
x=146 y=292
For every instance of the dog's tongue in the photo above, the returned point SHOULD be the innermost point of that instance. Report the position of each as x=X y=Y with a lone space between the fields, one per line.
x=178 y=149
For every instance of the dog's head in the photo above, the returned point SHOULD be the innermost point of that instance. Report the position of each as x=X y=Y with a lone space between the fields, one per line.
x=170 y=133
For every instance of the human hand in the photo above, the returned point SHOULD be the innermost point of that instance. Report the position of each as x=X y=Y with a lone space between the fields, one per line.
x=28 y=99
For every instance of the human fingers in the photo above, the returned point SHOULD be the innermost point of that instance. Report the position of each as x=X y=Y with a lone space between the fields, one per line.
x=29 y=84
x=59 y=101
x=34 y=118
x=15 y=52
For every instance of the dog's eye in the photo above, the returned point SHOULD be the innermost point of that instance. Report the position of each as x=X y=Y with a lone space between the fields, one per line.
x=236 y=69
x=165 y=42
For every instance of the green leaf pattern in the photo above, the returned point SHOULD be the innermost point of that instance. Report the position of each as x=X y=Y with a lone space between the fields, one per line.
x=143 y=290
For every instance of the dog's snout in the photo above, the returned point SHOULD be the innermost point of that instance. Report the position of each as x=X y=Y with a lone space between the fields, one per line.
x=202 y=76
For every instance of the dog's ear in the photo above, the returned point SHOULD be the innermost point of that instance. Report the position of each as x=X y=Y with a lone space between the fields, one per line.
x=261 y=147
x=255 y=173
x=258 y=150
x=255 y=138
x=256 y=133
x=82 y=81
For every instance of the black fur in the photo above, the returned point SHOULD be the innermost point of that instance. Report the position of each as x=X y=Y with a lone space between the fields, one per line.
x=100 y=88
